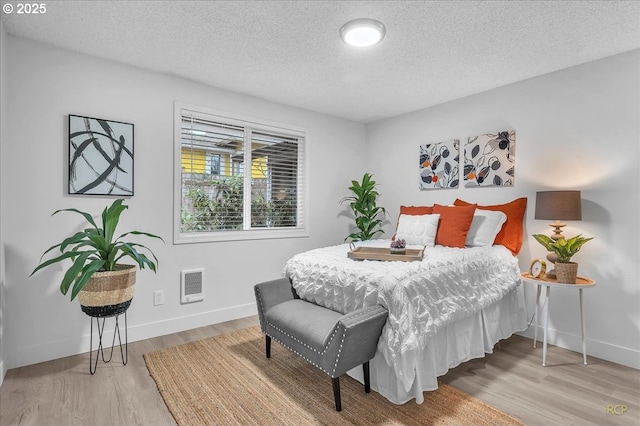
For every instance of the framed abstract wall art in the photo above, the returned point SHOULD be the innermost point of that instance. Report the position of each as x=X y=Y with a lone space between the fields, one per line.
x=489 y=160
x=100 y=156
x=440 y=165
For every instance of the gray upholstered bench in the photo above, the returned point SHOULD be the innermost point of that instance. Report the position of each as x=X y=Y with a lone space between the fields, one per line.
x=331 y=341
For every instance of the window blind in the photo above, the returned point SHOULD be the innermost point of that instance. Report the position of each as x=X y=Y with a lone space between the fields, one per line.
x=239 y=176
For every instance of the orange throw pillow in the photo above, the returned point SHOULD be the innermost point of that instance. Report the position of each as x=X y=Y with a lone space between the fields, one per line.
x=511 y=234
x=416 y=210
x=454 y=224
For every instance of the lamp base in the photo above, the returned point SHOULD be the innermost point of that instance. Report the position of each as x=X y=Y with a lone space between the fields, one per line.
x=553 y=258
x=557 y=230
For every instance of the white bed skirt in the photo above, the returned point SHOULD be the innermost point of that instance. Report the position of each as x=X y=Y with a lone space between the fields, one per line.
x=469 y=338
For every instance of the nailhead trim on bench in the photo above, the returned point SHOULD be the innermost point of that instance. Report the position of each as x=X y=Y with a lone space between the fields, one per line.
x=304 y=357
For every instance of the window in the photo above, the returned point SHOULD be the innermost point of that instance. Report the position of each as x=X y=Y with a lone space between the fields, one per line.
x=218 y=198
x=213 y=164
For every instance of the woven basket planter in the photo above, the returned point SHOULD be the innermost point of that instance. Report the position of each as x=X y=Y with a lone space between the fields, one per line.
x=108 y=293
x=566 y=272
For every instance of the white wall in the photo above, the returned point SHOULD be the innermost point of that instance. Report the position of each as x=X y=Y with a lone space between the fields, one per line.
x=44 y=85
x=575 y=129
x=3 y=121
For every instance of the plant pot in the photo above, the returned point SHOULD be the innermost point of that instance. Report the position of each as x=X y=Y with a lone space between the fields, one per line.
x=566 y=272
x=108 y=293
x=398 y=250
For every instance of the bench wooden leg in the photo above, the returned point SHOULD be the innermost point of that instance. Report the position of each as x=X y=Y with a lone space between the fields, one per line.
x=367 y=380
x=267 y=344
x=336 y=392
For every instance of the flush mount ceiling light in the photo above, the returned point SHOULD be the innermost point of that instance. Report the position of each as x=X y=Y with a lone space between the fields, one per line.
x=362 y=32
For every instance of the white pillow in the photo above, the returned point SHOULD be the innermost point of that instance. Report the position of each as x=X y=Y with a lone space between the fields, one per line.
x=418 y=229
x=485 y=226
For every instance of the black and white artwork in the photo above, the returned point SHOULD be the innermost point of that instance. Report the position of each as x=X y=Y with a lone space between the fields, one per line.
x=100 y=156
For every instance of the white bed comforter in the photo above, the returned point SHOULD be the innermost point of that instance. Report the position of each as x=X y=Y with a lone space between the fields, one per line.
x=422 y=297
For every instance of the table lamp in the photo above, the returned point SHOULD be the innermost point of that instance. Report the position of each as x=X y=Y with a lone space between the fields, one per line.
x=557 y=206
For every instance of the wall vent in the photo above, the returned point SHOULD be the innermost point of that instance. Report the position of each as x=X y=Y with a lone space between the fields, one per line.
x=191 y=285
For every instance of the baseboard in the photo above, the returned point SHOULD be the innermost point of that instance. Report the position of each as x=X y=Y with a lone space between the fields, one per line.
x=595 y=348
x=36 y=354
x=39 y=353
x=175 y=325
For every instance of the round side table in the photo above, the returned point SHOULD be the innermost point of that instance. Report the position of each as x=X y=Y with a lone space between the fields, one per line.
x=548 y=284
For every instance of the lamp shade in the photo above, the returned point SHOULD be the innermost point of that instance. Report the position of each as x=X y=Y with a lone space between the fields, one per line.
x=558 y=205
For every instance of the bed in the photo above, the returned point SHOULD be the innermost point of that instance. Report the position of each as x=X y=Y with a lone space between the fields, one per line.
x=453 y=305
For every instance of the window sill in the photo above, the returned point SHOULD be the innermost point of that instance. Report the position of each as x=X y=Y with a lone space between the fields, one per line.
x=254 y=234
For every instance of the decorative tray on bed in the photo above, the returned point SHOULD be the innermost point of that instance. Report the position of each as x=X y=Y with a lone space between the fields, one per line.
x=381 y=253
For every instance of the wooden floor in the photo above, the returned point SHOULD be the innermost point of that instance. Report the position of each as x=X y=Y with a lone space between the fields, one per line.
x=566 y=392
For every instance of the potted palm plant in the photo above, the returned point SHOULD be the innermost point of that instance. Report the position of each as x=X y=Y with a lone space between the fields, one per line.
x=363 y=203
x=103 y=286
x=564 y=249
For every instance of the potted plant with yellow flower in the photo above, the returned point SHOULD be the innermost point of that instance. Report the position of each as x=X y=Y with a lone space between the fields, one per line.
x=566 y=271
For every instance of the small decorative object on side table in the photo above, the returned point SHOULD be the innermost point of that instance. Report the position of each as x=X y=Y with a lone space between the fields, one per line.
x=548 y=283
x=398 y=247
x=538 y=268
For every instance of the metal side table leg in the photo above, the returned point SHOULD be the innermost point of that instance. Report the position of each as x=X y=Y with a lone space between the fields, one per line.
x=584 y=337
x=536 y=314
x=546 y=325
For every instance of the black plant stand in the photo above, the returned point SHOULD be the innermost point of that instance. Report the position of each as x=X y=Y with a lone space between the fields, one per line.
x=102 y=313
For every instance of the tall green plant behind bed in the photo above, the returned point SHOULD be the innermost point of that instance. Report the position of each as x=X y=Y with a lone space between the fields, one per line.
x=363 y=203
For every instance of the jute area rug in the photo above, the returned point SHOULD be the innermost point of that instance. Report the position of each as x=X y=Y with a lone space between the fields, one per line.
x=227 y=380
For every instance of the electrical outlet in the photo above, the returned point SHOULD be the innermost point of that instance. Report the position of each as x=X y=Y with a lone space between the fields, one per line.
x=158 y=297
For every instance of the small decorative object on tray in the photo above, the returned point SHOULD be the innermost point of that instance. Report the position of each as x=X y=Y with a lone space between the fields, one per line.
x=398 y=247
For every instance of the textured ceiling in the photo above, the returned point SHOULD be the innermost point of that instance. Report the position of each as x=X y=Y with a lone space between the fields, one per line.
x=290 y=51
